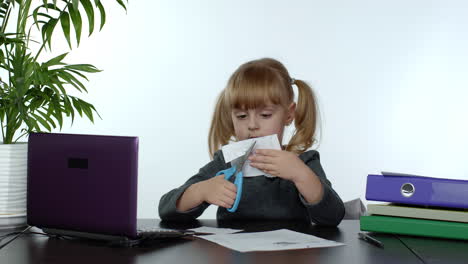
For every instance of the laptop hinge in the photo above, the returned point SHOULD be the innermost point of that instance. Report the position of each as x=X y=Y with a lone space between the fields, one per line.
x=72 y=233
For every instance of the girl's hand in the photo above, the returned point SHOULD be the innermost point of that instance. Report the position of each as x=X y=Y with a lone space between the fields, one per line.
x=288 y=166
x=218 y=191
x=280 y=163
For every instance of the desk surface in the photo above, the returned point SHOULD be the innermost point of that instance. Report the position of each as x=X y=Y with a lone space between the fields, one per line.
x=434 y=250
x=40 y=249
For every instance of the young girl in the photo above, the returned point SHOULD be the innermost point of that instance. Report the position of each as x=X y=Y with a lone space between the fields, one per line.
x=259 y=101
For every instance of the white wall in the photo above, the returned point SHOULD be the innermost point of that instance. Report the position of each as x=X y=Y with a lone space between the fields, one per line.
x=391 y=78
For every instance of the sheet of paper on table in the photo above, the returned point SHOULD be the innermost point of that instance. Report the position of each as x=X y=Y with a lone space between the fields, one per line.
x=282 y=239
x=215 y=230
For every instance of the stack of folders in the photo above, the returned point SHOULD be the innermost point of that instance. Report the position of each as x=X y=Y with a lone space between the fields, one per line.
x=417 y=205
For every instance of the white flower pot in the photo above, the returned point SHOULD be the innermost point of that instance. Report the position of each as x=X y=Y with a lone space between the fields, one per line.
x=13 y=179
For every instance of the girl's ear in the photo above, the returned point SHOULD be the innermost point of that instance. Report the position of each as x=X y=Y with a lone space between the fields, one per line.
x=290 y=113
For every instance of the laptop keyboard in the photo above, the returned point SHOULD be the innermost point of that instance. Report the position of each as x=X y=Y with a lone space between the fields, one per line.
x=151 y=232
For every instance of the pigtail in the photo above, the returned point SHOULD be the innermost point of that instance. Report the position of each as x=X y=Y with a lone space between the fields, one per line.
x=305 y=120
x=221 y=128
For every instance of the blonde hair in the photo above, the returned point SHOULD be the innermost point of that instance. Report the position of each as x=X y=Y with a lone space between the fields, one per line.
x=254 y=84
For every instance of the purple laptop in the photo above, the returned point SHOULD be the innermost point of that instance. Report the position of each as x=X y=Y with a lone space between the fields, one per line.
x=83 y=184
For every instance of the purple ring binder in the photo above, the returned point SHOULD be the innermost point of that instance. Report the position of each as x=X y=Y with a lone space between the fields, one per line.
x=426 y=191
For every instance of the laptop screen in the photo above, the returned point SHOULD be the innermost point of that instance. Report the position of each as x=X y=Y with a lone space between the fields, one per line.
x=84 y=183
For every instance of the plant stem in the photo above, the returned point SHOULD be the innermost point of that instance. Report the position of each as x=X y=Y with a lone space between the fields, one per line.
x=6 y=139
x=3 y=134
x=22 y=135
x=7 y=55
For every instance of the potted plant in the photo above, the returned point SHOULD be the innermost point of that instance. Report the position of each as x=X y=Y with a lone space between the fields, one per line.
x=34 y=91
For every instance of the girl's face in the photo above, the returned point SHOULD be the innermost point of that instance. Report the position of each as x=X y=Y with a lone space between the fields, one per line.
x=260 y=122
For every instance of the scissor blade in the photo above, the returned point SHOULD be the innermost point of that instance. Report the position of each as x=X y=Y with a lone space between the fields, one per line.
x=245 y=157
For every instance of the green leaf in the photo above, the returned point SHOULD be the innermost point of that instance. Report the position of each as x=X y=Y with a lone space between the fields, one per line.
x=55 y=61
x=4 y=7
x=42 y=15
x=56 y=81
x=79 y=74
x=58 y=115
x=83 y=67
x=94 y=109
x=88 y=7
x=35 y=103
x=44 y=30
x=45 y=15
x=50 y=29
x=87 y=109
x=77 y=23
x=53 y=88
x=47 y=118
x=65 y=21
x=54 y=106
x=70 y=79
x=49 y=92
x=103 y=13
x=42 y=75
x=15 y=125
x=77 y=105
x=31 y=123
x=5 y=38
x=68 y=107
x=75 y=4
x=122 y=4
x=42 y=121
x=36 y=13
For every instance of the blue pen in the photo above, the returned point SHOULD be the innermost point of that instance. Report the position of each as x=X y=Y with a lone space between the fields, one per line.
x=236 y=171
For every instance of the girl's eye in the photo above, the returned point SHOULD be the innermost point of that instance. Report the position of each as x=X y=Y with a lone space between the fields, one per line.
x=266 y=115
x=241 y=116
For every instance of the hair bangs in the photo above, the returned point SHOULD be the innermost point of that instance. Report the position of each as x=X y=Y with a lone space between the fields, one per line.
x=256 y=88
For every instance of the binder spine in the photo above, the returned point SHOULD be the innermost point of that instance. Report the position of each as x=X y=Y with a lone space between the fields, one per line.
x=424 y=191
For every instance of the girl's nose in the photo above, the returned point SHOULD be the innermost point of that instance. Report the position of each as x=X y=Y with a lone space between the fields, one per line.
x=253 y=124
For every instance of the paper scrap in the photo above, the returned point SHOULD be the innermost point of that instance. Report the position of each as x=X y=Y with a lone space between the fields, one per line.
x=232 y=152
x=215 y=230
x=282 y=239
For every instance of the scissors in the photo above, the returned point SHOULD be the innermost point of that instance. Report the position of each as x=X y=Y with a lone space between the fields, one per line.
x=237 y=172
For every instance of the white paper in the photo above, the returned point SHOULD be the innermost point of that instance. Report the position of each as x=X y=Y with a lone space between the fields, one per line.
x=282 y=239
x=232 y=152
x=215 y=230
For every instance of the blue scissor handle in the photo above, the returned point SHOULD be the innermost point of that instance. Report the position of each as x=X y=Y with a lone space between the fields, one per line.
x=238 y=182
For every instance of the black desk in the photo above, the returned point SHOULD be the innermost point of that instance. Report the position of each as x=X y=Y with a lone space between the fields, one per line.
x=41 y=249
x=441 y=251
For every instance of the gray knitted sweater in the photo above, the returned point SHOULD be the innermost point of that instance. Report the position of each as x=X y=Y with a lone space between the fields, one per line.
x=262 y=197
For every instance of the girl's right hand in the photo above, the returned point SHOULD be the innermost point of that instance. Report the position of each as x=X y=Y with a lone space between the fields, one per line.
x=219 y=191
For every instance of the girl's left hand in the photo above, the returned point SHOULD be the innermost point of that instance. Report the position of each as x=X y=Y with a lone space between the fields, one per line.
x=280 y=163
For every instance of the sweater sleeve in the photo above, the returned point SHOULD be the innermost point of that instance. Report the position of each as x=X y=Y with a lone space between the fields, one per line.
x=329 y=211
x=167 y=203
